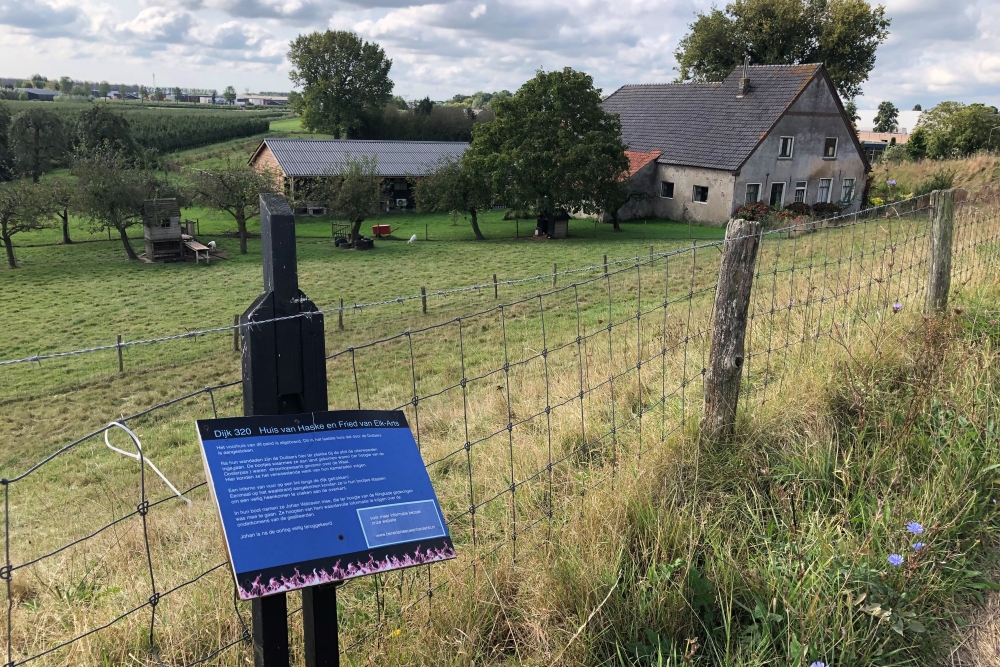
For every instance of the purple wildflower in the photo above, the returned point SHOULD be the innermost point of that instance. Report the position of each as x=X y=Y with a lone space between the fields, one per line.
x=895 y=560
x=917 y=546
x=892 y=182
x=896 y=307
x=915 y=528
x=819 y=663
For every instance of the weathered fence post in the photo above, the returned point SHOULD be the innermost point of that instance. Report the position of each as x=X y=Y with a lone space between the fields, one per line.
x=121 y=362
x=284 y=372
x=732 y=302
x=555 y=271
x=942 y=232
x=496 y=288
x=423 y=299
x=236 y=333
x=605 y=265
x=340 y=316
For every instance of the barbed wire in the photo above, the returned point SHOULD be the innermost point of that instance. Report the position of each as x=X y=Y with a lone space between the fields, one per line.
x=561 y=380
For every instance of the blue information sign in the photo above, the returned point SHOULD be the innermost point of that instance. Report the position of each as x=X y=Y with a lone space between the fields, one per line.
x=321 y=497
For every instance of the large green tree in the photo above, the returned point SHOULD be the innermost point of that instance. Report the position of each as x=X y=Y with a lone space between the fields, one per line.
x=234 y=189
x=955 y=130
x=887 y=117
x=37 y=139
x=455 y=186
x=551 y=145
x=352 y=193
x=344 y=80
x=6 y=158
x=110 y=192
x=23 y=206
x=843 y=34
x=100 y=129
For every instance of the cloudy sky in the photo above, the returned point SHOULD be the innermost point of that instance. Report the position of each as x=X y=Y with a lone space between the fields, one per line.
x=939 y=49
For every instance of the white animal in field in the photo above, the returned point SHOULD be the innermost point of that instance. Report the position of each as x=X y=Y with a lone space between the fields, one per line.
x=413 y=239
x=211 y=245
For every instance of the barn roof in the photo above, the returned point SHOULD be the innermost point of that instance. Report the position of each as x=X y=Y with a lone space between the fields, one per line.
x=708 y=124
x=321 y=157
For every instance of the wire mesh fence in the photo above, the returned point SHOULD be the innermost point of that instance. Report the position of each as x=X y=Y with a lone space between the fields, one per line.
x=521 y=401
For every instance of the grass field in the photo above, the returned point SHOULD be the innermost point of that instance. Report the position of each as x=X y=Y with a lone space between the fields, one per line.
x=657 y=551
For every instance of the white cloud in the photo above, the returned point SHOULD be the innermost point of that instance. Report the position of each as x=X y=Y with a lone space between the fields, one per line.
x=937 y=49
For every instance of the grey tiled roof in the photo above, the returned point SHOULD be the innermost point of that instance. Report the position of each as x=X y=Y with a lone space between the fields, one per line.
x=707 y=124
x=318 y=157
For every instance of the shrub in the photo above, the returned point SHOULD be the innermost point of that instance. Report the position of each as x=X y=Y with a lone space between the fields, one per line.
x=943 y=179
x=799 y=208
x=826 y=210
x=756 y=211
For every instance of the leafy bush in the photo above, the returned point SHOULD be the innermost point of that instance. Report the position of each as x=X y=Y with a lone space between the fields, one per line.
x=943 y=179
x=799 y=208
x=826 y=210
x=895 y=154
x=756 y=211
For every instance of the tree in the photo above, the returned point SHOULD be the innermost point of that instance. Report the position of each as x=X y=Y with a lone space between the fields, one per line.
x=551 y=145
x=424 y=107
x=23 y=206
x=917 y=107
x=613 y=193
x=887 y=117
x=37 y=139
x=60 y=194
x=956 y=130
x=6 y=158
x=354 y=192
x=455 y=186
x=842 y=34
x=851 y=109
x=235 y=189
x=104 y=89
x=229 y=94
x=38 y=81
x=65 y=85
x=343 y=79
x=916 y=147
x=177 y=94
x=143 y=93
x=100 y=129
x=110 y=193
x=158 y=95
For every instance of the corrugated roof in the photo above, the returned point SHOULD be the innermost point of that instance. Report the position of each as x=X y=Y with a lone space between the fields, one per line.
x=320 y=157
x=707 y=124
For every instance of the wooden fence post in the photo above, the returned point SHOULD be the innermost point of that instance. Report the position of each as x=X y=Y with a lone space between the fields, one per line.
x=496 y=290
x=236 y=333
x=732 y=302
x=554 y=272
x=121 y=362
x=605 y=265
x=423 y=299
x=340 y=316
x=942 y=232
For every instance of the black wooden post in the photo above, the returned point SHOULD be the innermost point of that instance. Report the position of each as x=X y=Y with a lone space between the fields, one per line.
x=284 y=372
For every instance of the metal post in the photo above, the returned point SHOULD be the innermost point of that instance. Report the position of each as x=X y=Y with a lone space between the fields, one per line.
x=284 y=372
x=121 y=362
x=423 y=299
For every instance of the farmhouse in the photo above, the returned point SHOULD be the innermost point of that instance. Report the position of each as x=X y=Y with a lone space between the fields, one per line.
x=299 y=161
x=43 y=94
x=771 y=133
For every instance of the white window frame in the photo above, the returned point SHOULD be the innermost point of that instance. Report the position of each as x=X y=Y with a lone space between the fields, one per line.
x=747 y=193
x=791 y=148
x=663 y=196
x=829 y=191
x=836 y=148
x=784 y=189
x=805 y=191
x=854 y=186
x=694 y=198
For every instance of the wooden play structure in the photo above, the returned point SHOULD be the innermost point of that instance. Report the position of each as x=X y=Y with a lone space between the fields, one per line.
x=167 y=240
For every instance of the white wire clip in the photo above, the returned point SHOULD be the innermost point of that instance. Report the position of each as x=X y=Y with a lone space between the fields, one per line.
x=139 y=456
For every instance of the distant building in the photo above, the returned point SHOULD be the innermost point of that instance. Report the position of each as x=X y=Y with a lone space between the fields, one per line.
x=297 y=162
x=875 y=143
x=262 y=100
x=771 y=133
x=43 y=94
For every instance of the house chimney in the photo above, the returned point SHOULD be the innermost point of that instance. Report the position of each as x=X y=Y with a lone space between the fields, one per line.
x=745 y=79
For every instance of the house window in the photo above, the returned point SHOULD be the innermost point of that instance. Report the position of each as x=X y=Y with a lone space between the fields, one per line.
x=753 y=193
x=847 y=192
x=777 y=195
x=800 y=191
x=830 y=148
x=823 y=196
x=666 y=189
x=787 y=144
x=700 y=193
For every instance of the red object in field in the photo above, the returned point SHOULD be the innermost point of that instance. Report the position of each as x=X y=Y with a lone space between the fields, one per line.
x=379 y=230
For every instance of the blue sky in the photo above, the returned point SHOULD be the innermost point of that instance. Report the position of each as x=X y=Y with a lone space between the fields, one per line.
x=938 y=49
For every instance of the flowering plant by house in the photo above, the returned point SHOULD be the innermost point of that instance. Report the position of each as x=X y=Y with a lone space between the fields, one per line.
x=756 y=211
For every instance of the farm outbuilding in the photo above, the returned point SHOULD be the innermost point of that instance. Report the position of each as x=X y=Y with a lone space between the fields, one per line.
x=296 y=162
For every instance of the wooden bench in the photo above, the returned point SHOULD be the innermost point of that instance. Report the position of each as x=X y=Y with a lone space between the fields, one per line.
x=197 y=249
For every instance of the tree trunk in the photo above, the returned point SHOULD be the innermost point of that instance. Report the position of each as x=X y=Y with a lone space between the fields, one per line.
x=475 y=224
x=65 y=226
x=241 y=224
x=128 y=246
x=10 y=252
x=614 y=221
x=356 y=229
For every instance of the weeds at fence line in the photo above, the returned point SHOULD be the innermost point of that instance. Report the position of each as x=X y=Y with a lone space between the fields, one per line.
x=522 y=409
